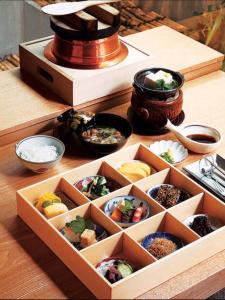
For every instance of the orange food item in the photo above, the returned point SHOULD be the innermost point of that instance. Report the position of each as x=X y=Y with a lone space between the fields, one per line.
x=116 y=215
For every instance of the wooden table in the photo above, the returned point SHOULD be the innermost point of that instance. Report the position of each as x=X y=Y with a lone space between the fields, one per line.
x=30 y=270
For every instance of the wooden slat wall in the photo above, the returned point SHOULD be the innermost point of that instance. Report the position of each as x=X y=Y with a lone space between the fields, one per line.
x=135 y=19
x=9 y=62
x=11 y=26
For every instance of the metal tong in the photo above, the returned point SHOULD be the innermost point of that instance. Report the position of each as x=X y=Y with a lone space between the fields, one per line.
x=207 y=167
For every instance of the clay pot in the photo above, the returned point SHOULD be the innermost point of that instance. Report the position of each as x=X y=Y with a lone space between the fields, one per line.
x=155 y=112
x=153 y=106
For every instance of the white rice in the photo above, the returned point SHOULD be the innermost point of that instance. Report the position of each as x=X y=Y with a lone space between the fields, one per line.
x=39 y=153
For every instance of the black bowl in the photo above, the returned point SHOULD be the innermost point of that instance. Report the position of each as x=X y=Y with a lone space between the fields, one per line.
x=104 y=119
x=154 y=93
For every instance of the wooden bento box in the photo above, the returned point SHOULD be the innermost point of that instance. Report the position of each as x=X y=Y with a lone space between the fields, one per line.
x=125 y=242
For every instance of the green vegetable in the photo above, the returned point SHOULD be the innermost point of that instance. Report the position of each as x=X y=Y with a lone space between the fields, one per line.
x=125 y=269
x=50 y=202
x=101 y=180
x=80 y=224
x=96 y=188
x=46 y=204
x=128 y=206
x=161 y=85
x=167 y=156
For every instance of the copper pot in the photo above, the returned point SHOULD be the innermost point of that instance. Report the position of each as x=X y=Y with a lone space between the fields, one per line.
x=89 y=53
x=85 y=50
x=153 y=111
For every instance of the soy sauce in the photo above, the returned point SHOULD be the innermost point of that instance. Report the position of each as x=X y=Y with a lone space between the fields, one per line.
x=202 y=138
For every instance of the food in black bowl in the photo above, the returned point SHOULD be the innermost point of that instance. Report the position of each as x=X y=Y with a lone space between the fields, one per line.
x=101 y=133
x=158 y=83
x=108 y=134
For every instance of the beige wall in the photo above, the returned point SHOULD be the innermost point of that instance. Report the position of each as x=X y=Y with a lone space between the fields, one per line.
x=175 y=9
x=11 y=26
x=20 y=21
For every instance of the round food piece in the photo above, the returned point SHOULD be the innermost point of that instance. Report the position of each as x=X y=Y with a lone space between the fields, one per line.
x=124 y=268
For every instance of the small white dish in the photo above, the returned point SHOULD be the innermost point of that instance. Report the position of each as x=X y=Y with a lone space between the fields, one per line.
x=179 y=152
x=40 y=140
x=203 y=145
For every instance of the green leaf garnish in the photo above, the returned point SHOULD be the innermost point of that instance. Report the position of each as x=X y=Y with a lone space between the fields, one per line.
x=161 y=85
x=96 y=188
x=101 y=180
x=80 y=224
x=46 y=203
x=128 y=206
